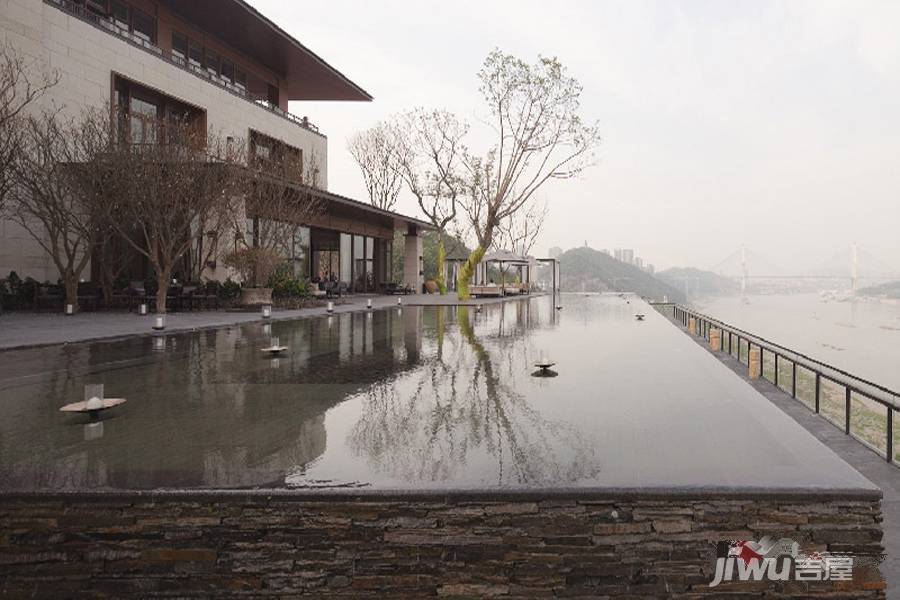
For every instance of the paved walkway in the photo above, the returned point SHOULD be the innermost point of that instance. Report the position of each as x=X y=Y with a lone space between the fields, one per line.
x=867 y=462
x=25 y=329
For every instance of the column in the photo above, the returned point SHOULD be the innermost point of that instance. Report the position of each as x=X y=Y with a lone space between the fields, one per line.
x=412 y=261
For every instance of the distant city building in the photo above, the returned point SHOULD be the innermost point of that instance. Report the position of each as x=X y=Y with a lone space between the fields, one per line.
x=650 y=268
x=606 y=252
x=627 y=256
x=639 y=262
x=555 y=252
x=618 y=253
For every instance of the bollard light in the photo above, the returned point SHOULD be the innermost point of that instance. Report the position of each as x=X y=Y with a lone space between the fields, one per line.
x=266 y=311
x=142 y=310
x=369 y=303
x=399 y=301
x=330 y=308
x=159 y=323
x=70 y=310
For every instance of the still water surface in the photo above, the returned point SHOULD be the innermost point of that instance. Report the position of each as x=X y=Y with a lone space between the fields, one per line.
x=434 y=397
x=861 y=337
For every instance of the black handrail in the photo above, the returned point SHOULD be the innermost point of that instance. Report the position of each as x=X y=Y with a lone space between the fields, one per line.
x=851 y=383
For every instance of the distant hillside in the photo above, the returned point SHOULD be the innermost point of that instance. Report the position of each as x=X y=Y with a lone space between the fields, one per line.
x=586 y=269
x=704 y=283
x=890 y=289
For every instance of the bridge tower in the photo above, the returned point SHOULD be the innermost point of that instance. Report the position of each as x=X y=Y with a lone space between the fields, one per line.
x=743 y=270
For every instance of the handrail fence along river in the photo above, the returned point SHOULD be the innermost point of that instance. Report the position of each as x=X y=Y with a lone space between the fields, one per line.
x=863 y=408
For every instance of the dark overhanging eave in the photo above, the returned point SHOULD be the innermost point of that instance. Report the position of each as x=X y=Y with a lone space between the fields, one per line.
x=356 y=204
x=307 y=75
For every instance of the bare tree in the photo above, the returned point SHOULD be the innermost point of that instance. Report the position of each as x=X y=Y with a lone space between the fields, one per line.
x=47 y=201
x=534 y=114
x=429 y=153
x=280 y=197
x=19 y=87
x=162 y=197
x=520 y=231
x=375 y=151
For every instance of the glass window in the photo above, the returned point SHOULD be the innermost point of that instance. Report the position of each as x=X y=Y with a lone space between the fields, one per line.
x=345 y=258
x=179 y=45
x=228 y=70
x=143 y=25
x=143 y=121
x=97 y=6
x=195 y=54
x=240 y=79
x=300 y=252
x=212 y=63
x=119 y=13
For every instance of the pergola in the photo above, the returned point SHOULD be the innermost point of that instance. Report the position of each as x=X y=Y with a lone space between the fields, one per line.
x=505 y=258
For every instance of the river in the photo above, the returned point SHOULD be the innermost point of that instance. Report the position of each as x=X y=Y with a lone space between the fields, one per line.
x=861 y=336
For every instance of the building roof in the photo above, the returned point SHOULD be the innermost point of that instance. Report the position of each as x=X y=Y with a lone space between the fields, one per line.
x=395 y=217
x=307 y=76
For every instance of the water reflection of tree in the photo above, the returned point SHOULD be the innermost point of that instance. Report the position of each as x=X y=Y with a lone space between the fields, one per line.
x=461 y=418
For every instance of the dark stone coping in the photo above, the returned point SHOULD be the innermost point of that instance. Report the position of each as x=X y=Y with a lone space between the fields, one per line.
x=450 y=495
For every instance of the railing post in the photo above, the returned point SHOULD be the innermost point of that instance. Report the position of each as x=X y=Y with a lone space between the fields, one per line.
x=889 y=444
x=818 y=387
x=776 y=369
x=794 y=379
x=847 y=409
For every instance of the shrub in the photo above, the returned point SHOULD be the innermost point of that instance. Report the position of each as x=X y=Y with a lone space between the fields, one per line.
x=228 y=290
x=285 y=285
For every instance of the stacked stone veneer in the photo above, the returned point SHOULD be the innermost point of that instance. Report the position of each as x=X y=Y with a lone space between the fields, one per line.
x=224 y=545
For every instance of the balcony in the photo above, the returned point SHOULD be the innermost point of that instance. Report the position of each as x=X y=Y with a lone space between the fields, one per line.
x=106 y=24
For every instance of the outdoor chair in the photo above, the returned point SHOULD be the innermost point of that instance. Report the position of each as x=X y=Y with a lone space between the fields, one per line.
x=88 y=296
x=137 y=294
x=188 y=298
x=48 y=296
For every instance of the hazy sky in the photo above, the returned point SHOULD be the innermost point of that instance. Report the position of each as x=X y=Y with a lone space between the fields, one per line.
x=775 y=124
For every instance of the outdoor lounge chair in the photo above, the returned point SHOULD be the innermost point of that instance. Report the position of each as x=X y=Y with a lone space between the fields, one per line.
x=482 y=291
x=392 y=288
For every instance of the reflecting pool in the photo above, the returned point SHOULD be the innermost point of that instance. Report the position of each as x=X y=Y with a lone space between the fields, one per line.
x=411 y=398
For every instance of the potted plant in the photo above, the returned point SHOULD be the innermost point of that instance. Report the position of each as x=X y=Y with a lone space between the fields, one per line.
x=255 y=266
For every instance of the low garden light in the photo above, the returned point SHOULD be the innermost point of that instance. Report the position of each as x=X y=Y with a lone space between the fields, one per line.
x=368 y=303
x=142 y=310
x=70 y=310
x=159 y=322
x=266 y=311
x=399 y=301
x=330 y=307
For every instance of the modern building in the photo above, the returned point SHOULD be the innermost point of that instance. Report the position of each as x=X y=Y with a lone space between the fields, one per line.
x=230 y=69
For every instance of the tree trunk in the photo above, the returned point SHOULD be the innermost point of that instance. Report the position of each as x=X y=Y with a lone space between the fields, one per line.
x=441 y=279
x=162 y=291
x=70 y=281
x=466 y=272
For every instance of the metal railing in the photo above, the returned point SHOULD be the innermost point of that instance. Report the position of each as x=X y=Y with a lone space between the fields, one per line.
x=107 y=25
x=868 y=427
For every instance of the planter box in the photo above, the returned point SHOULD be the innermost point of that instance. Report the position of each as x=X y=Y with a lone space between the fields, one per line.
x=255 y=296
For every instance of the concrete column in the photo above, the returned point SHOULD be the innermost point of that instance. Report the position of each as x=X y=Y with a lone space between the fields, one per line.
x=412 y=261
x=692 y=325
x=715 y=340
x=755 y=364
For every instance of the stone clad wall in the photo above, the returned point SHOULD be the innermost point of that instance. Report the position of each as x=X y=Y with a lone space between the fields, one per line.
x=230 y=545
